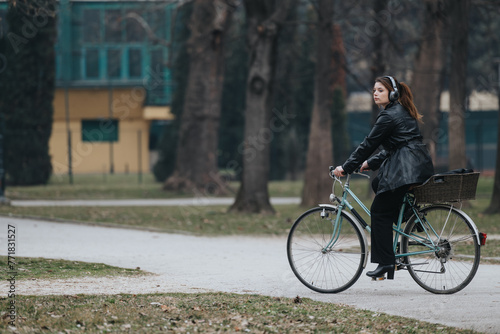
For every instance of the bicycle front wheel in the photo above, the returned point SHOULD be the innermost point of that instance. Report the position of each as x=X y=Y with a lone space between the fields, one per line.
x=452 y=264
x=325 y=256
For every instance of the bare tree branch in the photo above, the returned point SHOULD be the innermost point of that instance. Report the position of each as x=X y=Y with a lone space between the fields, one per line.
x=391 y=37
x=151 y=34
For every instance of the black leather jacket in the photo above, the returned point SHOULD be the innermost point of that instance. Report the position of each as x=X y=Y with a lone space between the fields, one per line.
x=404 y=159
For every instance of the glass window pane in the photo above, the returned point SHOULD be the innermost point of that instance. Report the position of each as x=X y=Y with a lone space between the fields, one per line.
x=134 y=63
x=114 y=63
x=157 y=22
x=112 y=21
x=100 y=130
x=157 y=61
x=157 y=82
x=92 y=63
x=91 y=26
x=135 y=31
x=76 y=65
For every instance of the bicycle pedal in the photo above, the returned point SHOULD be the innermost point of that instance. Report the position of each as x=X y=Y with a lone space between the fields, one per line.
x=378 y=278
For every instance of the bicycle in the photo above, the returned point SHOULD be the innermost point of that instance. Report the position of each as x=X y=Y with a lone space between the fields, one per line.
x=438 y=244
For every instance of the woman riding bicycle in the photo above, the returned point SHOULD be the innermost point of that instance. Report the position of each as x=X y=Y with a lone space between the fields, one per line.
x=403 y=162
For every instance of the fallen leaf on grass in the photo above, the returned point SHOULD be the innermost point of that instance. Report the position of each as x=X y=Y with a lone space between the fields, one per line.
x=69 y=296
x=166 y=308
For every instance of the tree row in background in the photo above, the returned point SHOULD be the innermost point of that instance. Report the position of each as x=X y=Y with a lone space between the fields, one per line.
x=261 y=86
x=322 y=50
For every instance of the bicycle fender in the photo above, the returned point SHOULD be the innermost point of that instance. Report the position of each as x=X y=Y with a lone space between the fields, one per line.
x=358 y=225
x=466 y=216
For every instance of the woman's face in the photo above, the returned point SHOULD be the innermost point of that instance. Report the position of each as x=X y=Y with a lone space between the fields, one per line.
x=380 y=94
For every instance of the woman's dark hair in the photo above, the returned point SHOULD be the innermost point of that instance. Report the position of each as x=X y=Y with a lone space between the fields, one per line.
x=405 y=95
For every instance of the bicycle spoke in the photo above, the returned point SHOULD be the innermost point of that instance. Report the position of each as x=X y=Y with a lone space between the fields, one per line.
x=331 y=269
x=454 y=261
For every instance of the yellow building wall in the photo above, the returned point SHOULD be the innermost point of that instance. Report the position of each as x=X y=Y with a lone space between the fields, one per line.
x=128 y=154
x=92 y=103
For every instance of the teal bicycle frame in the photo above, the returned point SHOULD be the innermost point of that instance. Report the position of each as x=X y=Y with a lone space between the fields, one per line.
x=409 y=200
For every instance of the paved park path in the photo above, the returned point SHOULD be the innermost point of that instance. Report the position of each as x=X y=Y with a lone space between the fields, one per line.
x=184 y=263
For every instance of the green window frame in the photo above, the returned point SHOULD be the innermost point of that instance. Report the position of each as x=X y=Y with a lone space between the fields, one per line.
x=107 y=44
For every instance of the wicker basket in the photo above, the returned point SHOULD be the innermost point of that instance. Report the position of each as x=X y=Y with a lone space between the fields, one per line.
x=445 y=188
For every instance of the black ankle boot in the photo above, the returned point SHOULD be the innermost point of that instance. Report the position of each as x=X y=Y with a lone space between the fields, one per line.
x=381 y=270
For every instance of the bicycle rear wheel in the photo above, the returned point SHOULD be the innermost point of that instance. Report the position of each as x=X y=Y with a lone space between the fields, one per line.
x=452 y=265
x=318 y=265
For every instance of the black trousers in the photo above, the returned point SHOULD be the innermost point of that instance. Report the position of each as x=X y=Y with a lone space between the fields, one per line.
x=384 y=212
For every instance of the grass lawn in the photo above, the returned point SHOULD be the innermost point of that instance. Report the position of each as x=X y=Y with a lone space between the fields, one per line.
x=106 y=186
x=195 y=313
x=121 y=186
x=28 y=268
x=203 y=220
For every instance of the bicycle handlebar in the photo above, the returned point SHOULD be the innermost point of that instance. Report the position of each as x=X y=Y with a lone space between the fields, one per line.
x=356 y=172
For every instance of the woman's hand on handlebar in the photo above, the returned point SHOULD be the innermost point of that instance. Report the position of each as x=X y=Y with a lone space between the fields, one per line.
x=339 y=171
x=364 y=166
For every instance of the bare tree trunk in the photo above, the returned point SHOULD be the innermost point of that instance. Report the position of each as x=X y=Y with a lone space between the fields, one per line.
x=378 y=60
x=196 y=165
x=378 y=68
x=495 y=197
x=317 y=182
x=427 y=81
x=458 y=93
x=264 y=18
x=340 y=135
